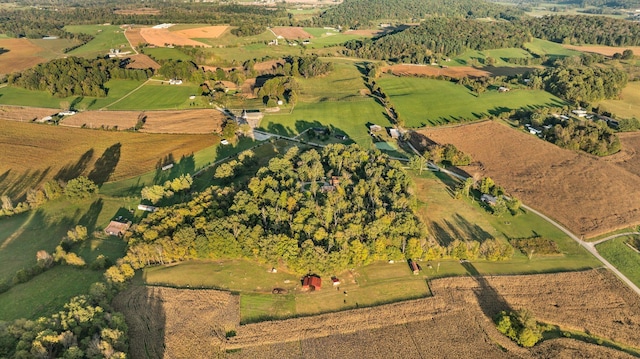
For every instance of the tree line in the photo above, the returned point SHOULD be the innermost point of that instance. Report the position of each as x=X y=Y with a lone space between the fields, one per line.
x=74 y=76
x=356 y=14
x=438 y=37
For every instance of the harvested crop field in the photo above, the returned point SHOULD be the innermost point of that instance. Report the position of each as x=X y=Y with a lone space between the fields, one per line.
x=142 y=61
x=173 y=323
x=21 y=54
x=183 y=122
x=454 y=323
x=267 y=65
x=291 y=33
x=24 y=114
x=428 y=70
x=35 y=153
x=604 y=50
x=164 y=37
x=629 y=157
x=207 y=32
x=588 y=195
x=134 y=36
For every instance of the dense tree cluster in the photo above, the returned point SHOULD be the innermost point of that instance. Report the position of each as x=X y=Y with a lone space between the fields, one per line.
x=589 y=136
x=324 y=211
x=366 y=13
x=438 y=37
x=155 y=193
x=279 y=88
x=578 y=30
x=74 y=76
x=520 y=326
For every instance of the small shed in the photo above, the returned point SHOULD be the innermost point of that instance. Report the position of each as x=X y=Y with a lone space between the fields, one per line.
x=488 y=199
x=503 y=89
x=414 y=266
x=167 y=167
x=375 y=128
x=147 y=208
x=116 y=228
x=394 y=133
x=311 y=282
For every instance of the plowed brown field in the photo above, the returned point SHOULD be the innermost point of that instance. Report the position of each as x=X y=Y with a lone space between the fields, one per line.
x=454 y=323
x=24 y=114
x=589 y=195
x=267 y=65
x=21 y=54
x=428 y=70
x=207 y=32
x=184 y=122
x=291 y=33
x=164 y=37
x=134 y=36
x=629 y=157
x=142 y=61
x=604 y=50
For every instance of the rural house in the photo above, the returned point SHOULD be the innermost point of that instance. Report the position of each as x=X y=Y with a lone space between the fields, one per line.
x=488 y=199
x=311 y=282
x=116 y=228
x=147 y=208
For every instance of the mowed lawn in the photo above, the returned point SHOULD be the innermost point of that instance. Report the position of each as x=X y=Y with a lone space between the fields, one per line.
x=551 y=49
x=428 y=102
x=499 y=55
x=106 y=37
x=348 y=117
x=623 y=257
x=629 y=104
x=159 y=95
x=17 y=96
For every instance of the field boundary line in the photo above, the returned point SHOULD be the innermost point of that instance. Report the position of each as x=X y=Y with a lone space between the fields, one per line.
x=17 y=232
x=129 y=41
x=125 y=96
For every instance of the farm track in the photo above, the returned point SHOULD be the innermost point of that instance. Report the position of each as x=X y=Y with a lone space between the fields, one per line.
x=125 y=96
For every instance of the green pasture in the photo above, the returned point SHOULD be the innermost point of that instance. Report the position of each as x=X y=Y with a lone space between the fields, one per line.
x=429 y=102
x=478 y=58
x=11 y=95
x=551 y=49
x=166 y=53
x=348 y=117
x=448 y=218
x=53 y=48
x=623 y=257
x=344 y=82
x=105 y=37
x=159 y=95
x=23 y=235
x=46 y=293
x=236 y=55
x=628 y=106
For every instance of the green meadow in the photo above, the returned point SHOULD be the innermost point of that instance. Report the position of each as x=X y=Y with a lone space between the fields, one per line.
x=428 y=102
x=472 y=57
x=159 y=95
x=622 y=256
x=550 y=49
x=628 y=106
x=105 y=37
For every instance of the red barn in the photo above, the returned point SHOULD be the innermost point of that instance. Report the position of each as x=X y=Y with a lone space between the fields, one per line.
x=311 y=282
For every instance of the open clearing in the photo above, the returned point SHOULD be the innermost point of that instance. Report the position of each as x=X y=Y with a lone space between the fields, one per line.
x=22 y=54
x=427 y=102
x=184 y=122
x=291 y=33
x=455 y=322
x=142 y=61
x=207 y=32
x=588 y=195
x=164 y=37
x=429 y=70
x=629 y=104
x=629 y=157
x=603 y=50
x=105 y=37
x=33 y=154
x=139 y=11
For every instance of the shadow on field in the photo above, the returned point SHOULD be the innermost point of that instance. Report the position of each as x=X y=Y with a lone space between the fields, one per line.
x=105 y=165
x=90 y=218
x=73 y=170
x=16 y=185
x=490 y=301
x=3 y=50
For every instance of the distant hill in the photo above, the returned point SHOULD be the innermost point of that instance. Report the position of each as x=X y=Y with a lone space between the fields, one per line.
x=366 y=13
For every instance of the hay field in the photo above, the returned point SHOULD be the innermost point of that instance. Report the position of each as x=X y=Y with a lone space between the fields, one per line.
x=162 y=37
x=142 y=61
x=134 y=36
x=291 y=33
x=628 y=106
x=182 y=122
x=456 y=321
x=206 y=32
x=603 y=50
x=34 y=153
x=24 y=114
x=173 y=323
x=588 y=195
x=22 y=54
x=428 y=70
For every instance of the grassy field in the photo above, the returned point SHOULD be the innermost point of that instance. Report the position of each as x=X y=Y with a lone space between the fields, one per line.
x=429 y=102
x=499 y=55
x=46 y=293
x=156 y=95
x=622 y=257
x=166 y=53
x=20 y=97
x=548 y=48
x=23 y=235
x=105 y=37
x=54 y=47
x=629 y=104
x=448 y=219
